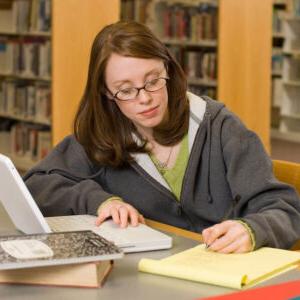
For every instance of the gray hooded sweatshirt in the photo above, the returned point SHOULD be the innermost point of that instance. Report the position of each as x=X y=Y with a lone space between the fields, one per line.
x=228 y=176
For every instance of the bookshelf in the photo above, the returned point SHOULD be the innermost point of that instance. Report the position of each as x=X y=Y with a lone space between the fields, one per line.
x=288 y=128
x=43 y=68
x=189 y=30
x=237 y=44
x=279 y=9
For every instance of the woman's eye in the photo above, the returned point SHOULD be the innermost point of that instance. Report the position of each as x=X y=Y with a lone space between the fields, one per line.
x=152 y=82
x=126 y=91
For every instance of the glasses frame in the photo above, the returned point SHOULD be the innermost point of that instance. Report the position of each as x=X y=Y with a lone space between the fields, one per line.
x=138 y=89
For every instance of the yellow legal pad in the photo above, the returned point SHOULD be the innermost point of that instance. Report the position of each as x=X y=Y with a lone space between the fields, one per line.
x=229 y=270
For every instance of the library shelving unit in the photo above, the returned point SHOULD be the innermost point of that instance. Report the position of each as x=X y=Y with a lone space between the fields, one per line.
x=289 y=125
x=189 y=29
x=223 y=46
x=279 y=9
x=44 y=52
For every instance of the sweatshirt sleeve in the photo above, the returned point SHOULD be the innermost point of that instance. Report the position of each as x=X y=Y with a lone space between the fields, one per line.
x=57 y=195
x=63 y=184
x=271 y=208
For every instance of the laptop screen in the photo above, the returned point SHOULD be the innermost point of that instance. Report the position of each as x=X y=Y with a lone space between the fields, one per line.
x=17 y=200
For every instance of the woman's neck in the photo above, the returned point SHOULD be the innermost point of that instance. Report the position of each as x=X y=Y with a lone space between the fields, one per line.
x=146 y=133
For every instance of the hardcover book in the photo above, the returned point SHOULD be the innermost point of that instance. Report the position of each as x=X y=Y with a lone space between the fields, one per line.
x=78 y=258
x=88 y=275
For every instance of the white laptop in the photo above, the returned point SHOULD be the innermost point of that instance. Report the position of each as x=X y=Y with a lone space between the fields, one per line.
x=27 y=217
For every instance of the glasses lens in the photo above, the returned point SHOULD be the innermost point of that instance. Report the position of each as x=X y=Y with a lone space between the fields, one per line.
x=155 y=84
x=150 y=86
x=127 y=94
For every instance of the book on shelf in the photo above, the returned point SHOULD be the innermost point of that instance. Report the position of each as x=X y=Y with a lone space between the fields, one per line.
x=78 y=258
x=229 y=270
x=277 y=92
x=189 y=30
x=31 y=102
x=202 y=90
x=21 y=16
x=134 y=10
x=29 y=140
x=44 y=144
x=295 y=7
x=7 y=16
x=26 y=57
x=186 y=21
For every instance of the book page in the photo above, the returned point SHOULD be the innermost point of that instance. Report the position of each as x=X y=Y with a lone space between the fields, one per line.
x=229 y=270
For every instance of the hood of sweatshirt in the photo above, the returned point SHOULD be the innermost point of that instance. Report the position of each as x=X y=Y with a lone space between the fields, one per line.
x=203 y=110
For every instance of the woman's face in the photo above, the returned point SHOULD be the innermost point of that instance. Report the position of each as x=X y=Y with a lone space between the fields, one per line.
x=148 y=109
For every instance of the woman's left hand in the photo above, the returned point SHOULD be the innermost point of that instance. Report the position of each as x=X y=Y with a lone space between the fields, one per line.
x=227 y=237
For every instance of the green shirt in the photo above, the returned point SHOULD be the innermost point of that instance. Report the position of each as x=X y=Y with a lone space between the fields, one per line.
x=174 y=176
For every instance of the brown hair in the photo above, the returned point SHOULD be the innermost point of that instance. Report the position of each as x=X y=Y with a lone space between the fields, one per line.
x=99 y=126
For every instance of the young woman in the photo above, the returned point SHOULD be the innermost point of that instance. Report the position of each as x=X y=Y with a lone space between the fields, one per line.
x=144 y=146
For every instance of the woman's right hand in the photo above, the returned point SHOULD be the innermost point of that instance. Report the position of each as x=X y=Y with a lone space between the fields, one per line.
x=121 y=212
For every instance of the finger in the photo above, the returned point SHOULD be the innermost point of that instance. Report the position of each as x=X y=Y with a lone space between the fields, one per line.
x=245 y=245
x=134 y=217
x=115 y=215
x=103 y=215
x=205 y=234
x=123 y=211
x=216 y=232
x=241 y=249
x=230 y=248
x=141 y=219
x=222 y=242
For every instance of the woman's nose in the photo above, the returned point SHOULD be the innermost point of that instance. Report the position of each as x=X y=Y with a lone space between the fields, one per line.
x=144 y=96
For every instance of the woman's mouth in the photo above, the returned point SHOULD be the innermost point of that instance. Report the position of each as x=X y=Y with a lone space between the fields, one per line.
x=150 y=112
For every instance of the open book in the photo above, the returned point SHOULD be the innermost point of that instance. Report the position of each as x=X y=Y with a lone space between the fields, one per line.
x=229 y=270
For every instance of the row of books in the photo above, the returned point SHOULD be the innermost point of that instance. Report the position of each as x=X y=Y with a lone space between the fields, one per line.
x=199 y=64
x=277 y=92
x=25 y=140
x=196 y=64
x=134 y=10
x=277 y=61
x=26 y=56
x=186 y=22
x=277 y=19
x=296 y=7
x=200 y=91
x=25 y=101
x=23 y=16
x=291 y=69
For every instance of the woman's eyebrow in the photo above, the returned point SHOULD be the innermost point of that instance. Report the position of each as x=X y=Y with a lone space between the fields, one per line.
x=120 y=82
x=154 y=71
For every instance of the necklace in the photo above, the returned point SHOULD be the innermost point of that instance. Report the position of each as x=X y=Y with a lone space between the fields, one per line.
x=164 y=164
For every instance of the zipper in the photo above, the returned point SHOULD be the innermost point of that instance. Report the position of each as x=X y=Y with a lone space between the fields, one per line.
x=200 y=129
x=155 y=184
x=191 y=155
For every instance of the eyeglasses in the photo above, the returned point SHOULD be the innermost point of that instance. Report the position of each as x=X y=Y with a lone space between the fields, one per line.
x=132 y=93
